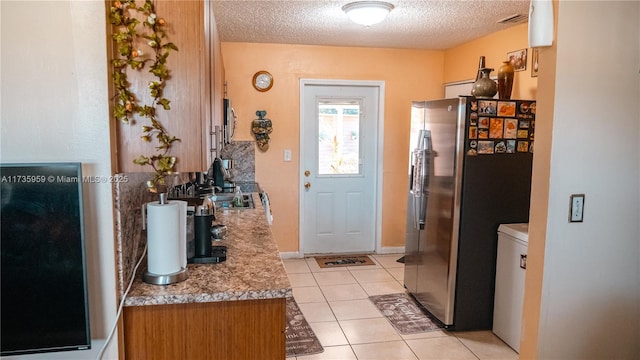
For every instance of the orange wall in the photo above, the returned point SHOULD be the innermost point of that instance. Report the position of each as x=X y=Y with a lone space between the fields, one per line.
x=461 y=62
x=408 y=75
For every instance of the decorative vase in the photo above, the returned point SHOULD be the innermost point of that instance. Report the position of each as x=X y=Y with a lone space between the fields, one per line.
x=484 y=87
x=505 y=80
x=480 y=67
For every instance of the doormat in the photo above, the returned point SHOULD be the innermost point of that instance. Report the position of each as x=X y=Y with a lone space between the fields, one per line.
x=300 y=339
x=404 y=314
x=343 y=260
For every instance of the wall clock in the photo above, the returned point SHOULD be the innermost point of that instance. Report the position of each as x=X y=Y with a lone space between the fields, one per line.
x=262 y=80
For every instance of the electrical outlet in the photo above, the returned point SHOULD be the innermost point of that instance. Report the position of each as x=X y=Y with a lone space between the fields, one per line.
x=576 y=208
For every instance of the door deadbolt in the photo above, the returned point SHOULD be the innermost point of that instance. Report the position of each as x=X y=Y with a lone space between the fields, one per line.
x=307 y=173
x=307 y=185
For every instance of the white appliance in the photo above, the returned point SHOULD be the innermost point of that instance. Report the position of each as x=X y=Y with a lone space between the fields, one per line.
x=511 y=265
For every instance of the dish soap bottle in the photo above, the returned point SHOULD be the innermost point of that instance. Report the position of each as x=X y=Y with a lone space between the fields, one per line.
x=237 y=198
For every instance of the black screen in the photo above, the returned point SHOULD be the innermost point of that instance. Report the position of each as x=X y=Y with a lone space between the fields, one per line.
x=44 y=294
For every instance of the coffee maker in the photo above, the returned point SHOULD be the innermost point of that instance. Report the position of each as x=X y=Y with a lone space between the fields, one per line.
x=204 y=251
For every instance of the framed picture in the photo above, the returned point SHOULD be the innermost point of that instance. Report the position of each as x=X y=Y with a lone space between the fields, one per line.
x=534 y=62
x=518 y=59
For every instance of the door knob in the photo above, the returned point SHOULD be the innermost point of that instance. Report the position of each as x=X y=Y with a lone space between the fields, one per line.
x=307 y=173
x=307 y=185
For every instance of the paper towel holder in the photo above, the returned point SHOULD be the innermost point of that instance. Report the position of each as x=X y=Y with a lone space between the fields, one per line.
x=171 y=278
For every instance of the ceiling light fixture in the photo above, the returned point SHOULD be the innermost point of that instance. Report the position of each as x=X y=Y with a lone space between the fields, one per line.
x=367 y=13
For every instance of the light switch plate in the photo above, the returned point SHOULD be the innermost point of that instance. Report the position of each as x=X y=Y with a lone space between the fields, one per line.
x=287 y=155
x=576 y=208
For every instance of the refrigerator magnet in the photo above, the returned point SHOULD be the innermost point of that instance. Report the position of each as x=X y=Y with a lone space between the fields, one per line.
x=506 y=108
x=483 y=133
x=485 y=147
x=483 y=123
x=524 y=107
x=523 y=146
x=531 y=147
x=473 y=119
x=501 y=148
x=487 y=107
x=496 y=128
x=473 y=132
x=474 y=105
x=510 y=128
x=524 y=124
x=523 y=134
x=511 y=146
x=473 y=148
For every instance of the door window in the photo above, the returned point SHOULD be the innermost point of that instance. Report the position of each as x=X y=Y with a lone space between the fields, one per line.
x=338 y=137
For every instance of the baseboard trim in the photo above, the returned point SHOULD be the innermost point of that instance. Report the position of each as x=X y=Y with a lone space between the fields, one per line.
x=290 y=255
x=392 y=250
x=384 y=250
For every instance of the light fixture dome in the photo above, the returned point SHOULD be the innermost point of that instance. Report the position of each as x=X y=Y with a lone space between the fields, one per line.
x=367 y=13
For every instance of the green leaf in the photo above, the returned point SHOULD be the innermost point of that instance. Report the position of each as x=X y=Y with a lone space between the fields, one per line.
x=160 y=72
x=166 y=163
x=170 y=46
x=164 y=103
x=124 y=49
x=119 y=111
x=141 y=160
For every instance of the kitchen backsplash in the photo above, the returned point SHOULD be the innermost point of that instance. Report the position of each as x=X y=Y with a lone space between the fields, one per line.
x=243 y=154
x=129 y=196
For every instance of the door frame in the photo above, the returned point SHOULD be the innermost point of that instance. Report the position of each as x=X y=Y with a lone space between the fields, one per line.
x=379 y=146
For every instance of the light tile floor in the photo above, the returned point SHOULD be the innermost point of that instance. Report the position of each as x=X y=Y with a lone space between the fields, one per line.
x=336 y=304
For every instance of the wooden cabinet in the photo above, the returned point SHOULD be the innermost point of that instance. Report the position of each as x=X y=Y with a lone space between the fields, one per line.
x=195 y=90
x=228 y=330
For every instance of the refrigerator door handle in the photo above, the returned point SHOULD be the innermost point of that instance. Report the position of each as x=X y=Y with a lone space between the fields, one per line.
x=420 y=203
x=420 y=165
x=418 y=213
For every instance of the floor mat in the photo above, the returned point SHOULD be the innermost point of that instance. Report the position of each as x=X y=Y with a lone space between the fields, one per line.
x=343 y=260
x=404 y=314
x=300 y=339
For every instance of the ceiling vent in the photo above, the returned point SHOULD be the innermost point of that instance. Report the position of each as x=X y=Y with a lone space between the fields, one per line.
x=514 y=19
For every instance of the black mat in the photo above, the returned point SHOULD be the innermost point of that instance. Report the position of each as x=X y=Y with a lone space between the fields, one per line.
x=343 y=260
x=404 y=314
x=300 y=337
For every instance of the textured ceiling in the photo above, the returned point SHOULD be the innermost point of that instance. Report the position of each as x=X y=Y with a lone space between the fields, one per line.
x=416 y=24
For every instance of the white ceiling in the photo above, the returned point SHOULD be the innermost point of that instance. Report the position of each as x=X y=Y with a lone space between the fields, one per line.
x=415 y=24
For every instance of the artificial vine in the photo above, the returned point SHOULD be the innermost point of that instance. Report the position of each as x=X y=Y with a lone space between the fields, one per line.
x=125 y=15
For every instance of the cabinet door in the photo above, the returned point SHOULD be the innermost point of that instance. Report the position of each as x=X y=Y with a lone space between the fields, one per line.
x=187 y=89
x=227 y=330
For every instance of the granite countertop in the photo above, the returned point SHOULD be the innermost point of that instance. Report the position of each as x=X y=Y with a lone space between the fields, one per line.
x=253 y=269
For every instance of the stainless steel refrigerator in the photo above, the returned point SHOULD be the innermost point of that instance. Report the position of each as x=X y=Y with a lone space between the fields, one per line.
x=470 y=171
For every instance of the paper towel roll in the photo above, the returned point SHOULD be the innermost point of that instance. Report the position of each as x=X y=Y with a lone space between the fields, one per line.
x=164 y=248
x=183 y=231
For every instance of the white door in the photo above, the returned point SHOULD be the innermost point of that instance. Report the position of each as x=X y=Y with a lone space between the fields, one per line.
x=338 y=168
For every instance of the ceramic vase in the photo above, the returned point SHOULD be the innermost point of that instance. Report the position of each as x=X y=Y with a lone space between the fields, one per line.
x=484 y=87
x=505 y=80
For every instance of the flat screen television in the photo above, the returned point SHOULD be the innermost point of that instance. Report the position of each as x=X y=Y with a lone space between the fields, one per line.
x=44 y=303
